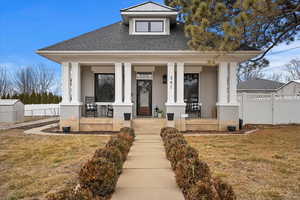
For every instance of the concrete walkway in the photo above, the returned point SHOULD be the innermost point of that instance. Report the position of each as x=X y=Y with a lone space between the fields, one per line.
x=31 y=124
x=147 y=174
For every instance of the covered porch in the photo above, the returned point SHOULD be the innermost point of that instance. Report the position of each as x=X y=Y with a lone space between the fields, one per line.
x=199 y=94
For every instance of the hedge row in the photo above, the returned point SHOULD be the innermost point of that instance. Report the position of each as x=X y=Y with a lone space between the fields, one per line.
x=98 y=176
x=193 y=175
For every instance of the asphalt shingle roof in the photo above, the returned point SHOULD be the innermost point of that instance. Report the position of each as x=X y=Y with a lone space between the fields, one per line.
x=259 y=84
x=116 y=37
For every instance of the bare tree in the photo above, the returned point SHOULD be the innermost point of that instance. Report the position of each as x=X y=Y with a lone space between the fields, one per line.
x=251 y=70
x=24 y=80
x=38 y=78
x=293 y=69
x=4 y=81
x=44 y=77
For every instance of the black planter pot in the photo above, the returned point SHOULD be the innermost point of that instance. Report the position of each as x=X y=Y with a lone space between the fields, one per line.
x=127 y=116
x=170 y=116
x=231 y=128
x=241 y=123
x=66 y=129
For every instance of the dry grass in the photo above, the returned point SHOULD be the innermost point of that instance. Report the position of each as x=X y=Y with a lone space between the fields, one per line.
x=35 y=118
x=261 y=166
x=26 y=119
x=32 y=166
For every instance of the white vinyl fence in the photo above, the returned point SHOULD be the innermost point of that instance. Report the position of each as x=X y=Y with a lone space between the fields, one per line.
x=41 y=110
x=269 y=109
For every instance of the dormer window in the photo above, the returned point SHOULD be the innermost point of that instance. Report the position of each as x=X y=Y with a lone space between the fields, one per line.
x=149 y=18
x=149 y=26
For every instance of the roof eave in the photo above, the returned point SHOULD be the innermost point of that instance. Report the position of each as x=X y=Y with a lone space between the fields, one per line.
x=240 y=56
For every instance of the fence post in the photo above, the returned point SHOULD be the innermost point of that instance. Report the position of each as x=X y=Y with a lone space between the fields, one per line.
x=243 y=106
x=272 y=105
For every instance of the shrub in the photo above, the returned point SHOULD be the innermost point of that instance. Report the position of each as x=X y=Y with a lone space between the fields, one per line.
x=189 y=171
x=119 y=143
x=181 y=152
x=129 y=139
x=174 y=139
x=167 y=130
x=224 y=190
x=128 y=131
x=61 y=195
x=174 y=143
x=70 y=194
x=202 y=190
x=113 y=154
x=100 y=176
x=170 y=136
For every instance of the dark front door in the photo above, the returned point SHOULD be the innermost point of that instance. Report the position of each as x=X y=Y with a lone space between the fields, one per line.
x=144 y=97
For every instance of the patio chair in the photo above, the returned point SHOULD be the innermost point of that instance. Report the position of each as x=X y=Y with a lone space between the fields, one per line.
x=110 y=111
x=90 y=107
x=193 y=108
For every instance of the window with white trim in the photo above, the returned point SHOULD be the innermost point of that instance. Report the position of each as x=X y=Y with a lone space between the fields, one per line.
x=149 y=26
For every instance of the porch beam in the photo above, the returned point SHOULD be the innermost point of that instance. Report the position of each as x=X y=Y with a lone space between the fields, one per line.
x=127 y=83
x=180 y=83
x=65 y=71
x=223 y=83
x=76 y=83
x=118 y=83
x=171 y=83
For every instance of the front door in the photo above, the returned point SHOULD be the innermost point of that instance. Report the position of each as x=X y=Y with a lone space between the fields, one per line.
x=144 y=97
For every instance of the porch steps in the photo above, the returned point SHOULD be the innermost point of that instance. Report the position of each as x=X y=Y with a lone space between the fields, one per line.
x=202 y=125
x=146 y=126
x=99 y=124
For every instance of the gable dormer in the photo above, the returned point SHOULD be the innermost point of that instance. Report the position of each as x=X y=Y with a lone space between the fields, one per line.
x=149 y=18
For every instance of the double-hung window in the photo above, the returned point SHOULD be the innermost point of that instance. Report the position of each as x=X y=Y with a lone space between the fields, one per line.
x=105 y=87
x=149 y=26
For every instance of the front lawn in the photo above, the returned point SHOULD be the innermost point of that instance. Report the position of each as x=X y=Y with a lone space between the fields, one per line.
x=260 y=166
x=32 y=166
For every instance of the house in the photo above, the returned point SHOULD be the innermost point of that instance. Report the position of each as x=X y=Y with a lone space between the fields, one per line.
x=264 y=86
x=142 y=65
x=291 y=88
x=259 y=86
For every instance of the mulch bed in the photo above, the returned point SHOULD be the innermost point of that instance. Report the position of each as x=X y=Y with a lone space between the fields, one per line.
x=243 y=131
x=57 y=131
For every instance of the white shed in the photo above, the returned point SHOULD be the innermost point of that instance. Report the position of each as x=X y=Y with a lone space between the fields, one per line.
x=11 y=110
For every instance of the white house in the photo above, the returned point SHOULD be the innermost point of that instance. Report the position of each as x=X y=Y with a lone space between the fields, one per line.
x=143 y=63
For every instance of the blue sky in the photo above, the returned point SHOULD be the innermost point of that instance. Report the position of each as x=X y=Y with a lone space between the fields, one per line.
x=27 y=25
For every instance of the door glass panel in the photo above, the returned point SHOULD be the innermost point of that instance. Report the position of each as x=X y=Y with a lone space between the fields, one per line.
x=144 y=97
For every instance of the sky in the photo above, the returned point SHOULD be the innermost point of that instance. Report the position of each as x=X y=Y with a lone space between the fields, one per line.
x=28 y=25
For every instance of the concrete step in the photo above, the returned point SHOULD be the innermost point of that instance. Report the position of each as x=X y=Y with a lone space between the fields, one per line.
x=148 y=126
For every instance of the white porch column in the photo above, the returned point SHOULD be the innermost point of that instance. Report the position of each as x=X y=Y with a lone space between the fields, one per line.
x=171 y=83
x=233 y=84
x=199 y=89
x=180 y=83
x=118 y=83
x=222 y=83
x=76 y=83
x=65 y=74
x=127 y=82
